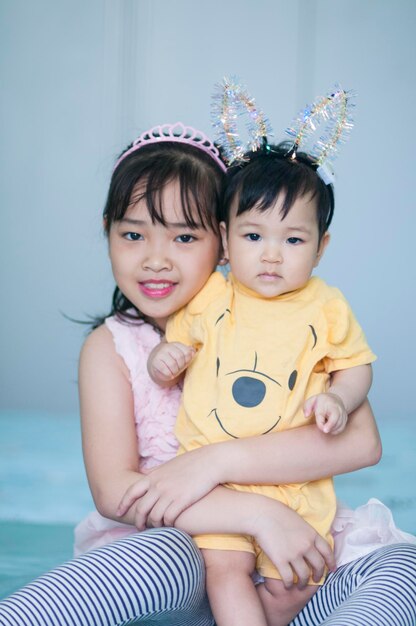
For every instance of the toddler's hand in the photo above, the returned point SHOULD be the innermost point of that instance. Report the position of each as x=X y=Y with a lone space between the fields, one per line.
x=168 y=360
x=329 y=410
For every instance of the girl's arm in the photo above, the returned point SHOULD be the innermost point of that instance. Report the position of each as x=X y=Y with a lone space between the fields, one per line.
x=290 y=542
x=291 y=456
x=107 y=420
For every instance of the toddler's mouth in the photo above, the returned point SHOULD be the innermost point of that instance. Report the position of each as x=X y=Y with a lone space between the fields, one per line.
x=269 y=276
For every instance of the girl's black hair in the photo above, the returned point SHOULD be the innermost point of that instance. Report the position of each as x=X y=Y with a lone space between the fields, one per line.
x=145 y=173
x=259 y=179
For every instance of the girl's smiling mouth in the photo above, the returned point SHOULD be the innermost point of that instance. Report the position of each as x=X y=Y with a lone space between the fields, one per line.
x=157 y=288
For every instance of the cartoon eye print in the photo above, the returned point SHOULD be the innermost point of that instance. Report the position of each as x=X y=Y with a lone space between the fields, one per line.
x=248 y=401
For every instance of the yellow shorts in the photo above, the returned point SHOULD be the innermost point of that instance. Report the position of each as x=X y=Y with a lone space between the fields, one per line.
x=245 y=543
x=296 y=497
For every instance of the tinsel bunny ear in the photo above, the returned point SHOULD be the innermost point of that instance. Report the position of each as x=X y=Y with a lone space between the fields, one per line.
x=230 y=101
x=334 y=111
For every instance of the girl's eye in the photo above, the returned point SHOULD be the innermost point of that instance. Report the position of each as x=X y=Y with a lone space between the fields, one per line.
x=253 y=237
x=133 y=236
x=185 y=238
x=294 y=240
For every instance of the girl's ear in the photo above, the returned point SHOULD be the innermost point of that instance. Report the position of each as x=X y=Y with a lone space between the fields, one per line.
x=322 y=247
x=223 y=230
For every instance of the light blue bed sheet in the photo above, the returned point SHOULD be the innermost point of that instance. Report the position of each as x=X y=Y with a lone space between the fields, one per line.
x=44 y=492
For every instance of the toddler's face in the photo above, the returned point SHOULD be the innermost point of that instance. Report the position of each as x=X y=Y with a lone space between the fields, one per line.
x=272 y=256
x=160 y=268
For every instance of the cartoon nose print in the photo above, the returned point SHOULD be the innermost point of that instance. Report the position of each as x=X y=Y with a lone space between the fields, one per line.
x=248 y=392
x=248 y=401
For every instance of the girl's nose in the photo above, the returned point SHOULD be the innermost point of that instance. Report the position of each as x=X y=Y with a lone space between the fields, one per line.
x=156 y=260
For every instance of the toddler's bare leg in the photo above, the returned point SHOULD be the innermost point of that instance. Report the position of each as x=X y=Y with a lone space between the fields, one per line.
x=232 y=595
x=281 y=605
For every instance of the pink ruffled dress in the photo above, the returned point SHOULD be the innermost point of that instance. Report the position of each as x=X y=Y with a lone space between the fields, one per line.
x=154 y=413
x=356 y=533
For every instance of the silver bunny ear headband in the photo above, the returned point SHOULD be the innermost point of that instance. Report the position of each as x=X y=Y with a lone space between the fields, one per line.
x=333 y=112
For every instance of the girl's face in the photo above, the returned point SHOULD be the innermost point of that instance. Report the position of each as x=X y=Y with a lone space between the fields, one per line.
x=271 y=255
x=161 y=268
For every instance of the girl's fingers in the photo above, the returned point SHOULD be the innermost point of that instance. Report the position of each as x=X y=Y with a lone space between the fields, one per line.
x=156 y=517
x=143 y=508
x=325 y=550
x=316 y=564
x=133 y=493
x=172 y=513
x=286 y=573
x=302 y=571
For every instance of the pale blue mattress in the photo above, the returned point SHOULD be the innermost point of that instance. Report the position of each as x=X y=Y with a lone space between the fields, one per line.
x=43 y=490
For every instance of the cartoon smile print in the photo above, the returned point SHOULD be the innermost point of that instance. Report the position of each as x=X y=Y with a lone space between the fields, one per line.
x=245 y=389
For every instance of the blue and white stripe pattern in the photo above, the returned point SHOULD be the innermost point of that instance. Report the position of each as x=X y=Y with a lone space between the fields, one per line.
x=157 y=577
x=377 y=590
x=139 y=579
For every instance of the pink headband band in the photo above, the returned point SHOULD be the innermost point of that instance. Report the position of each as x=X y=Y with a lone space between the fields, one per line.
x=176 y=133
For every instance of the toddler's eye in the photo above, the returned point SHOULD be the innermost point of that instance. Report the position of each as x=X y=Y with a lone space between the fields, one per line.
x=253 y=237
x=133 y=236
x=294 y=240
x=185 y=238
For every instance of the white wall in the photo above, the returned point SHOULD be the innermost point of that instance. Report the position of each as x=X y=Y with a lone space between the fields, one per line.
x=81 y=79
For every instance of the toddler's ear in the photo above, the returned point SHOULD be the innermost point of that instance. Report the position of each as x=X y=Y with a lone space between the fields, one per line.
x=223 y=231
x=322 y=247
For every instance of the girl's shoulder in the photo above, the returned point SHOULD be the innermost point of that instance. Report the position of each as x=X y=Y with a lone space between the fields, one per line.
x=120 y=344
x=98 y=350
x=99 y=340
x=100 y=367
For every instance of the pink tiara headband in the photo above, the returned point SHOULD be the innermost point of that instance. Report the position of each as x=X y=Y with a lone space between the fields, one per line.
x=175 y=133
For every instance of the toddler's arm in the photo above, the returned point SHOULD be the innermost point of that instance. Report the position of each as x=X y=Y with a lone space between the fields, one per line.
x=167 y=361
x=347 y=391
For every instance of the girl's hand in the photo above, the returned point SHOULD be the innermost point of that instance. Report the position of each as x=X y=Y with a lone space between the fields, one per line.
x=295 y=548
x=162 y=495
x=329 y=410
x=168 y=360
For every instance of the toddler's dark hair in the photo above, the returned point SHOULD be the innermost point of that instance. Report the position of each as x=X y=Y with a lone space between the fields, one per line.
x=263 y=175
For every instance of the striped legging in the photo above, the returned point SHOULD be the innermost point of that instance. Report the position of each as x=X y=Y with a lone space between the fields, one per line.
x=156 y=577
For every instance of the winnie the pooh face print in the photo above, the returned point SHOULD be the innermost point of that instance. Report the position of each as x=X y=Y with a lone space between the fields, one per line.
x=249 y=401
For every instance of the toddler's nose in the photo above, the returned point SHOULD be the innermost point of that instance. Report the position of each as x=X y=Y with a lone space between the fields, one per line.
x=272 y=254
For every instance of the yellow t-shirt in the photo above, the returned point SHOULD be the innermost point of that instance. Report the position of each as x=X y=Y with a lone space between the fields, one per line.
x=258 y=361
